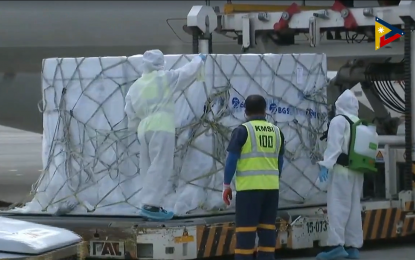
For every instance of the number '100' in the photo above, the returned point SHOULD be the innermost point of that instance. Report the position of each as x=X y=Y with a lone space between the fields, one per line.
x=266 y=141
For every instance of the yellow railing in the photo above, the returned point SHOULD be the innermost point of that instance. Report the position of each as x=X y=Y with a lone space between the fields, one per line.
x=246 y=8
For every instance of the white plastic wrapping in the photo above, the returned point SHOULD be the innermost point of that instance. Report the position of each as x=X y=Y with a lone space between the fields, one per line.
x=90 y=159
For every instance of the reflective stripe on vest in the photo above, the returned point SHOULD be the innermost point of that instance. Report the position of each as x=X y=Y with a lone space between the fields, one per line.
x=259 y=154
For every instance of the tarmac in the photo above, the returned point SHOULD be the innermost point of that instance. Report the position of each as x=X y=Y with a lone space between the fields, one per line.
x=400 y=249
x=21 y=165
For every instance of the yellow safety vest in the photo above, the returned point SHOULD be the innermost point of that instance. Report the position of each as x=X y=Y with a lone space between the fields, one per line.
x=158 y=98
x=257 y=168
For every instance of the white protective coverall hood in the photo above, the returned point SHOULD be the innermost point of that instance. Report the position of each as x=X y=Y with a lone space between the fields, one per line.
x=345 y=186
x=150 y=110
x=153 y=60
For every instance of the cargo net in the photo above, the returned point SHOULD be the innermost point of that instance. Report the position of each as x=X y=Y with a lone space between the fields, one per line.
x=91 y=157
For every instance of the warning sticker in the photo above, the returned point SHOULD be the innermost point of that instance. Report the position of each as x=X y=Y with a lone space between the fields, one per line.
x=379 y=157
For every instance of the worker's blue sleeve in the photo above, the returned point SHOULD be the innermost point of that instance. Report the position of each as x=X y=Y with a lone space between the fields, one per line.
x=281 y=154
x=238 y=139
x=230 y=167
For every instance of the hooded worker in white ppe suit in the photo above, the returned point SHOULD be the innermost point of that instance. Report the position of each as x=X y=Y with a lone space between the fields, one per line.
x=150 y=106
x=345 y=234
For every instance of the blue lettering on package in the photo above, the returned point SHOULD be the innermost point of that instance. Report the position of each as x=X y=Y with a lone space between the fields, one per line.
x=275 y=109
x=238 y=105
x=235 y=102
x=273 y=106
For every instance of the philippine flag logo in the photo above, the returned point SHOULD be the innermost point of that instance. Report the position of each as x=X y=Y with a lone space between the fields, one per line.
x=385 y=33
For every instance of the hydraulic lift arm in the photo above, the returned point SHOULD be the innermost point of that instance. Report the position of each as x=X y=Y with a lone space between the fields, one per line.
x=203 y=21
x=252 y=26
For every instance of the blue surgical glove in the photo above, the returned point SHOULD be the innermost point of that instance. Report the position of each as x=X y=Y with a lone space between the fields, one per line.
x=203 y=56
x=324 y=174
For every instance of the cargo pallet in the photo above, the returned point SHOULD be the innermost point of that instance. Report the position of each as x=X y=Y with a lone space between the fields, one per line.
x=194 y=237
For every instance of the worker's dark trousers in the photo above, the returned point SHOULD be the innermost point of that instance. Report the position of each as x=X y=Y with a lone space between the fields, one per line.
x=256 y=212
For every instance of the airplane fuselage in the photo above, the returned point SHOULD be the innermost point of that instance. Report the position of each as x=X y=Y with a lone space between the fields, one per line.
x=35 y=30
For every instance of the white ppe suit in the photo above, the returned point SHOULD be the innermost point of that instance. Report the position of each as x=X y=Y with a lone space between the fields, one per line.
x=345 y=186
x=150 y=106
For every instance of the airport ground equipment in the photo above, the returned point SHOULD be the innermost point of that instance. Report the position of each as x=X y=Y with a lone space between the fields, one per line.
x=371 y=68
x=388 y=207
x=388 y=212
x=25 y=240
